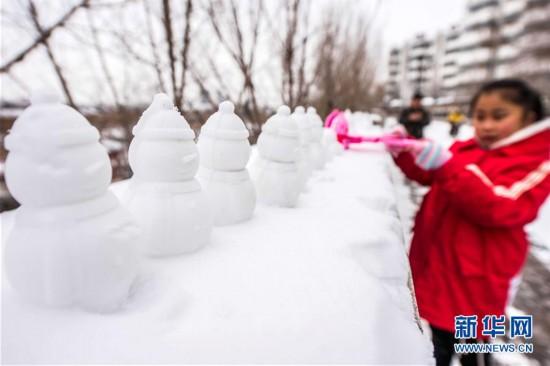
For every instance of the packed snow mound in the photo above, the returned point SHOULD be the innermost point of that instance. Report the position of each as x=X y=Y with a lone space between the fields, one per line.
x=71 y=242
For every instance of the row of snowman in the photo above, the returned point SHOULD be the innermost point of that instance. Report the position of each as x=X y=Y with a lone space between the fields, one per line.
x=74 y=243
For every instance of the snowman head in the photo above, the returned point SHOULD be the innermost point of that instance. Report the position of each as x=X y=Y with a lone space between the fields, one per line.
x=299 y=110
x=281 y=124
x=161 y=102
x=55 y=157
x=280 y=137
x=225 y=124
x=166 y=151
x=223 y=142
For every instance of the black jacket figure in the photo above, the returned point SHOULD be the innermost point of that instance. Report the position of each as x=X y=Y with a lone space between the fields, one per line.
x=415 y=117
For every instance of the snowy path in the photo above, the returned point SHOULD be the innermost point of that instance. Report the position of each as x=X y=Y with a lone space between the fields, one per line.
x=322 y=283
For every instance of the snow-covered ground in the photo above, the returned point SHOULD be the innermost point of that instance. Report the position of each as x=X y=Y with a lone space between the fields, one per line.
x=325 y=282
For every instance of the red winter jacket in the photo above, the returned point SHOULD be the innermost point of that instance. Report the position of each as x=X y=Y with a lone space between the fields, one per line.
x=469 y=239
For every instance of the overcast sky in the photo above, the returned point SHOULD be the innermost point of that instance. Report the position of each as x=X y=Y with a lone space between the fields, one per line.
x=402 y=19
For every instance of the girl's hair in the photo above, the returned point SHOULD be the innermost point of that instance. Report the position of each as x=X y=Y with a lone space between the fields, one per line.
x=515 y=91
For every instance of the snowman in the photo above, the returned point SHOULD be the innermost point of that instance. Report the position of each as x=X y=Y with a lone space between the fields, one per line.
x=275 y=171
x=224 y=150
x=72 y=243
x=163 y=194
x=316 y=136
x=305 y=159
x=330 y=141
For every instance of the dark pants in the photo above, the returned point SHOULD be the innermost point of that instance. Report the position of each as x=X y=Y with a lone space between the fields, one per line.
x=454 y=129
x=444 y=350
x=415 y=129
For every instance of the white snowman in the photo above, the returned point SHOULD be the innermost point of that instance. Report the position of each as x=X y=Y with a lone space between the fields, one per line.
x=72 y=242
x=330 y=143
x=305 y=160
x=316 y=136
x=275 y=171
x=163 y=194
x=224 y=150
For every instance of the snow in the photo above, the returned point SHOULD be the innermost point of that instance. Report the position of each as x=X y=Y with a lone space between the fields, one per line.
x=112 y=145
x=117 y=133
x=325 y=282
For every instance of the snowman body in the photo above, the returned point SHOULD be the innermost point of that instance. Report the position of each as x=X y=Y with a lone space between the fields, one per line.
x=224 y=150
x=330 y=142
x=72 y=243
x=163 y=194
x=305 y=161
x=275 y=171
x=316 y=136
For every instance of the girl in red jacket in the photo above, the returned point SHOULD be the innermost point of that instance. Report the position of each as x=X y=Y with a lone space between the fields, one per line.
x=469 y=240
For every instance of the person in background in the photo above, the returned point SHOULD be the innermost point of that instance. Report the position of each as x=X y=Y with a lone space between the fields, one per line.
x=414 y=118
x=469 y=242
x=456 y=119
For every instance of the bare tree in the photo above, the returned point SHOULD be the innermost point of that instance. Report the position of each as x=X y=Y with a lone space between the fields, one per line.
x=345 y=71
x=297 y=78
x=289 y=52
x=103 y=61
x=236 y=47
x=169 y=34
x=185 y=53
x=154 y=49
x=304 y=84
x=44 y=39
x=178 y=86
x=44 y=35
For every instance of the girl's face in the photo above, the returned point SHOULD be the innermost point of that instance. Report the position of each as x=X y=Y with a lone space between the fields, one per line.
x=495 y=118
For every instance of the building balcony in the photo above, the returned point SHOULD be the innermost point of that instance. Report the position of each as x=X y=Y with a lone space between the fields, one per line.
x=395 y=52
x=534 y=41
x=421 y=42
x=477 y=5
x=394 y=63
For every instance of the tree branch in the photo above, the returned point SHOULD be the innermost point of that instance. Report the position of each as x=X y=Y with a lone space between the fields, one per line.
x=167 y=22
x=57 y=68
x=185 y=52
x=44 y=35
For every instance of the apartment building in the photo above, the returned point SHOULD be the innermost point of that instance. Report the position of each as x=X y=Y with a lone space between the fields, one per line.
x=497 y=38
